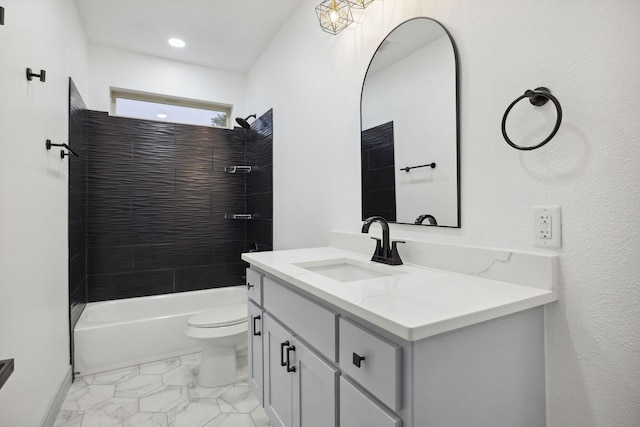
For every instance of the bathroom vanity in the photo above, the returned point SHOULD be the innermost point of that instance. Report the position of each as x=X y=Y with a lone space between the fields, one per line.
x=336 y=340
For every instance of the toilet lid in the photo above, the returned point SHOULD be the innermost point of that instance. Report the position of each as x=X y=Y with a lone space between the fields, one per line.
x=220 y=316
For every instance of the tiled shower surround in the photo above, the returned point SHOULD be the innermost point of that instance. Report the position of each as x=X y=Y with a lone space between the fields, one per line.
x=78 y=135
x=378 y=173
x=157 y=194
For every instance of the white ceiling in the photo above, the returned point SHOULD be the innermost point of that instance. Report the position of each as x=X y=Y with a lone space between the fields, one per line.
x=224 y=34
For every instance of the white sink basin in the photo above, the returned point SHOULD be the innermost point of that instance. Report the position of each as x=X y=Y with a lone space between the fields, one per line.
x=349 y=270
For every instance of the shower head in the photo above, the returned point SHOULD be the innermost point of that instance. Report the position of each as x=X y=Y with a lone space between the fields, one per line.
x=243 y=122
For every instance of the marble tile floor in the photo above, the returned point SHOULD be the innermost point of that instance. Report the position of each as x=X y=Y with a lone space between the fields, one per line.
x=159 y=394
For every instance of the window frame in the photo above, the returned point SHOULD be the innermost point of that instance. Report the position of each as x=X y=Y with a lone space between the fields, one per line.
x=156 y=98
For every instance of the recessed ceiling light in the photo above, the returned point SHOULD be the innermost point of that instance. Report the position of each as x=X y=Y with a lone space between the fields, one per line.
x=177 y=43
x=161 y=115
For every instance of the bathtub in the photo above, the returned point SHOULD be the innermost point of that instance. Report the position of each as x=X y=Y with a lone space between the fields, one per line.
x=116 y=334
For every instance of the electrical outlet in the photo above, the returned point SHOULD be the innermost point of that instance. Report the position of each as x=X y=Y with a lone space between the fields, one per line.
x=547 y=228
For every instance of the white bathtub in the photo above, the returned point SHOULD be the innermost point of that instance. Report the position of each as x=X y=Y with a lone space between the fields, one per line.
x=116 y=334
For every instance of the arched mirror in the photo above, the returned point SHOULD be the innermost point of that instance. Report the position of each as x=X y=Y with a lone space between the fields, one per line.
x=409 y=124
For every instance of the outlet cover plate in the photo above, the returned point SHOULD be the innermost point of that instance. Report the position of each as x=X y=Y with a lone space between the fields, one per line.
x=547 y=227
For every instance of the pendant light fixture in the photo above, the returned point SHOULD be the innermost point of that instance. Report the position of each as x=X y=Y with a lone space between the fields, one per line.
x=359 y=4
x=335 y=15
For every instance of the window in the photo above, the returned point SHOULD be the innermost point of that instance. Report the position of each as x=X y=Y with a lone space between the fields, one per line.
x=169 y=109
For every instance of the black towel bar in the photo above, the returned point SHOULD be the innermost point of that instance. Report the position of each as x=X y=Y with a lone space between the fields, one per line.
x=428 y=165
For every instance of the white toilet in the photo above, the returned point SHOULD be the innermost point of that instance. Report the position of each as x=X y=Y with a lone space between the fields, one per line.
x=223 y=331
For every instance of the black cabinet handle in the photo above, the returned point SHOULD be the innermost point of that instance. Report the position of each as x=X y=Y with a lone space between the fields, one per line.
x=255 y=331
x=289 y=367
x=249 y=285
x=357 y=359
x=282 y=346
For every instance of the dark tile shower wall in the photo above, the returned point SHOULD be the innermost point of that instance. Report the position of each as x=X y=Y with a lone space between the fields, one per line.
x=378 y=174
x=157 y=198
x=260 y=183
x=78 y=134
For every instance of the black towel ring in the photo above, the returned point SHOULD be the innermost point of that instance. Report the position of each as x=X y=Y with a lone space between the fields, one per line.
x=538 y=97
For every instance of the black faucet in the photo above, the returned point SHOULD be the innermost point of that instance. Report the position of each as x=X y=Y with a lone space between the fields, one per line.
x=385 y=253
x=430 y=218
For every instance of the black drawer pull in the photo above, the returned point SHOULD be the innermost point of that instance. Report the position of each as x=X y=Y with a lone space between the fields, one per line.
x=249 y=285
x=282 y=346
x=289 y=367
x=255 y=331
x=357 y=359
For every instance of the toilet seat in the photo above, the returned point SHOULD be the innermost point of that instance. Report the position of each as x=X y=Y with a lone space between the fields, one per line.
x=228 y=315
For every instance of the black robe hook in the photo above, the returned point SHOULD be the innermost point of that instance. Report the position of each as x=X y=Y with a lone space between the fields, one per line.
x=31 y=75
x=50 y=144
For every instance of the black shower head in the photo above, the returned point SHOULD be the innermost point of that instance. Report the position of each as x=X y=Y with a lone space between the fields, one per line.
x=243 y=122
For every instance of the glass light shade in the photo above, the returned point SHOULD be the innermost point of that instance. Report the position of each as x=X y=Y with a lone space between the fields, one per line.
x=359 y=4
x=334 y=15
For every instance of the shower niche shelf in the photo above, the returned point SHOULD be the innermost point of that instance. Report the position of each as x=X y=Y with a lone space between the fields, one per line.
x=237 y=169
x=239 y=216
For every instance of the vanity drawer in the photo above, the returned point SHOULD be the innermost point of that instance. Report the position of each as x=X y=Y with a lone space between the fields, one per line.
x=254 y=286
x=359 y=410
x=312 y=322
x=380 y=370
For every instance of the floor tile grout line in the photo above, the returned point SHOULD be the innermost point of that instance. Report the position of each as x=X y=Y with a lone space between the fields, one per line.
x=135 y=371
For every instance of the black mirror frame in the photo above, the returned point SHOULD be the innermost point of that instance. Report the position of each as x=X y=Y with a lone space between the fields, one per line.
x=457 y=95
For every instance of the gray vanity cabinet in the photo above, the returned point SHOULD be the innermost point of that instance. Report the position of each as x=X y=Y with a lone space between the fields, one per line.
x=301 y=381
x=255 y=351
x=324 y=366
x=302 y=378
x=301 y=388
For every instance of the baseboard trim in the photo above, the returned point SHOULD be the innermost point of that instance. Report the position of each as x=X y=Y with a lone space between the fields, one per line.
x=56 y=403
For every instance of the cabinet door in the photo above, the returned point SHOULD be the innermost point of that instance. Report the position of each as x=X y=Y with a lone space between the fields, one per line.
x=255 y=351
x=357 y=409
x=315 y=389
x=277 y=380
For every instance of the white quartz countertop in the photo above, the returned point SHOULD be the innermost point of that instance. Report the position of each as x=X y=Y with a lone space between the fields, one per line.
x=417 y=303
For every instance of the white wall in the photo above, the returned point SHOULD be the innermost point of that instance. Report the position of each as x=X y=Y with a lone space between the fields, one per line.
x=41 y=34
x=120 y=69
x=587 y=53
